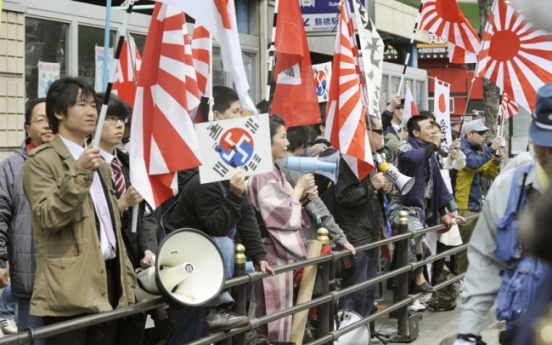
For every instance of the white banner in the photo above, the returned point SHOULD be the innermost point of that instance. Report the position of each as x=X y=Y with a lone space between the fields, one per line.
x=231 y=144
x=322 y=76
x=48 y=72
x=441 y=108
x=371 y=50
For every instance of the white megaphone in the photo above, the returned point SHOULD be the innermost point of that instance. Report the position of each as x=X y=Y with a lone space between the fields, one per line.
x=326 y=166
x=360 y=336
x=188 y=270
x=403 y=182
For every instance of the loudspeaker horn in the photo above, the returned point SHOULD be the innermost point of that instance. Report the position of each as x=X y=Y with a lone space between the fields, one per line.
x=326 y=166
x=188 y=270
x=404 y=183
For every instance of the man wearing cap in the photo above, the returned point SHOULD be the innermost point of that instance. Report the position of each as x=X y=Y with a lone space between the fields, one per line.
x=481 y=161
x=501 y=272
x=392 y=119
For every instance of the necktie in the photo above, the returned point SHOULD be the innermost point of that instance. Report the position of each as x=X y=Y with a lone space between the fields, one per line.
x=101 y=207
x=118 y=177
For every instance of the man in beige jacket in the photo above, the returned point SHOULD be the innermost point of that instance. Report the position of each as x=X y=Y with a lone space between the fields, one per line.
x=76 y=219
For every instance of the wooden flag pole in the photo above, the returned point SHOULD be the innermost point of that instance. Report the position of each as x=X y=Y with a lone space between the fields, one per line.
x=305 y=293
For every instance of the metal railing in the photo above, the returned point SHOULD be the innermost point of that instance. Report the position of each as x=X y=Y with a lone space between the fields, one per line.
x=326 y=334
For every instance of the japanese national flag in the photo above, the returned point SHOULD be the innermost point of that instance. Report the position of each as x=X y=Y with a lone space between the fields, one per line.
x=441 y=108
x=410 y=108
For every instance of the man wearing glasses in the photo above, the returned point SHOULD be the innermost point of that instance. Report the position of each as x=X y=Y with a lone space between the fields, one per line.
x=481 y=161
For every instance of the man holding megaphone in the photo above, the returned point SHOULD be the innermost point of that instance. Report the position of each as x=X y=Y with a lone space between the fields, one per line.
x=358 y=211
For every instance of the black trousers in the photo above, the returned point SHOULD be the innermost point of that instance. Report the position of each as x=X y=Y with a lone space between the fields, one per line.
x=100 y=334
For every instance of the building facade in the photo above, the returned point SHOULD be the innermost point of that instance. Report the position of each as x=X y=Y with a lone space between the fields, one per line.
x=41 y=40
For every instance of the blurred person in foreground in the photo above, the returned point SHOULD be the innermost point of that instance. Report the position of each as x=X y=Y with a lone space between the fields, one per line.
x=501 y=270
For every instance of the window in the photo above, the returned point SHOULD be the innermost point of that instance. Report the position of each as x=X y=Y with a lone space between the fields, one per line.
x=46 y=42
x=140 y=41
x=220 y=77
x=242 y=16
x=90 y=65
x=420 y=95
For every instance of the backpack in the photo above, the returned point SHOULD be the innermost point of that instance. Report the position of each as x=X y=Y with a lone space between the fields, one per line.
x=524 y=273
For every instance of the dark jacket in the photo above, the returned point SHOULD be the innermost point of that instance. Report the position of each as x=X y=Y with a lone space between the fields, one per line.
x=145 y=236
x=205 y=207
x=16 y=235
x=417 y=160
x=358 y=207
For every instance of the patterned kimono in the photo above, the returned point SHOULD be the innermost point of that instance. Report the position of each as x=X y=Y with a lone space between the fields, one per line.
x=284 y=218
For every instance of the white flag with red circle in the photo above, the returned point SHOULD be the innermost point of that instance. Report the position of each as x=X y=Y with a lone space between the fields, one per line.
x=410 y=108
x=441 y=108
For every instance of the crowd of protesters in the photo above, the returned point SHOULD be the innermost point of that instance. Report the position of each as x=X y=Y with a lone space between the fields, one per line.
x=67 y=243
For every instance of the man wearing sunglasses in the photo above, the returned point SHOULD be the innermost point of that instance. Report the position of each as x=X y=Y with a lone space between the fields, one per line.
x=481 y=161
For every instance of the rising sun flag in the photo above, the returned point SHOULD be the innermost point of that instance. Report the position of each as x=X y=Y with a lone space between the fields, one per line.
x=516 y=55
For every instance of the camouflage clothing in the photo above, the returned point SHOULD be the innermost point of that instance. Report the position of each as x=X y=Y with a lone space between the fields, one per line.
x=445 y=298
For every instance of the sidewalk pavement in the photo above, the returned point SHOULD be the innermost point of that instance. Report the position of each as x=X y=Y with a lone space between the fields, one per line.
x=440 y=328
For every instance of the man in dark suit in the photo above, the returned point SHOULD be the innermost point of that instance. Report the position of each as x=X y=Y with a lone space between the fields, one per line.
x=141 y=245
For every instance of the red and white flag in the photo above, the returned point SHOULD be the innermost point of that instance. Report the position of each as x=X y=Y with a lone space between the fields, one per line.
x=460 y=55
x=128 y=71
x=295 y=96
x=516 y=55
x=163 y=137
x=445 y=19
x=410 y=108
x=441 y=108
x=346 y=118
x=201 y=51
x=219 y=18
x=508 y=107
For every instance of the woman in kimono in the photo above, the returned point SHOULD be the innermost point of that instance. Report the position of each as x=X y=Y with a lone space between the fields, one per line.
x=281 y=208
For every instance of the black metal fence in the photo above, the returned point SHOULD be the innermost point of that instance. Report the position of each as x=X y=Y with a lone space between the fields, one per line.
x=325 y=332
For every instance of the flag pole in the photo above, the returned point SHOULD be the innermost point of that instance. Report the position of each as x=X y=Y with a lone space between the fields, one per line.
x=112 y=77
x=107 y=32
x=211 y=101
x=270 y=52
x=410 y=45
x=475 y=73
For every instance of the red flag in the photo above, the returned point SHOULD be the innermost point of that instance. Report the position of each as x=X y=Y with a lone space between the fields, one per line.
x=295 y=96
x=445 y=19
x=127 y=72
x=163 y=138
x=516 y=55
x=219 y=18
x=346 y=119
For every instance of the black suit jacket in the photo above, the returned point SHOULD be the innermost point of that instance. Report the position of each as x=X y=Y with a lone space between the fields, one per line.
x=145 y=236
